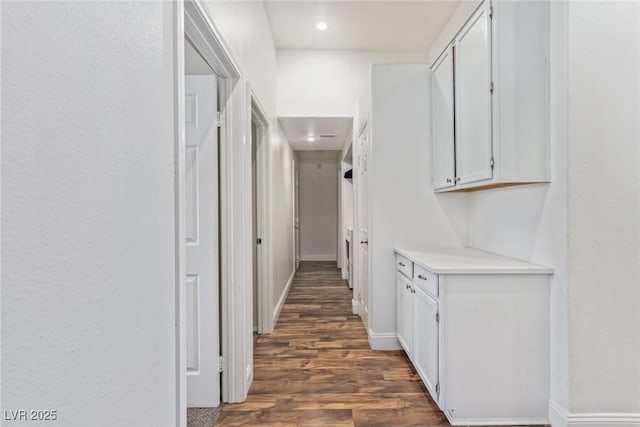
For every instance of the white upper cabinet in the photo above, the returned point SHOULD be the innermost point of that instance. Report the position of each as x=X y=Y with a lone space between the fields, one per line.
x=473 y=100
x=500 y=75
x=442 y=119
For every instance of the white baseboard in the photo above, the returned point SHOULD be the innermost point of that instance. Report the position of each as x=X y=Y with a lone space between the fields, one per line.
x=318 y=257
x=283 y=297
x=557 y=416
x=383 y=341
x=560 y=417
x=497 y=421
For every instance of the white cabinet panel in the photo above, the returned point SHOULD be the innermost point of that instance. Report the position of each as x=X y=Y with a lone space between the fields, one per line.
x=425 y=343
x=425 y=280
x=442 y=119
x=473 y=99
x=404 y=266
x=405 y=313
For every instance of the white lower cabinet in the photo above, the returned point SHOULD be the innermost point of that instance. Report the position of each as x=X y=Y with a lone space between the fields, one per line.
x=476 y=328
x=405 y=313
x=425 y=343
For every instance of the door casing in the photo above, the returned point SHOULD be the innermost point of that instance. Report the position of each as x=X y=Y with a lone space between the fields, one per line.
x=263 y=167
x=191 y=20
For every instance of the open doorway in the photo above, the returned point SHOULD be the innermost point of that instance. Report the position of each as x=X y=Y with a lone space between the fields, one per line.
x=259 y=218
x=233 y=217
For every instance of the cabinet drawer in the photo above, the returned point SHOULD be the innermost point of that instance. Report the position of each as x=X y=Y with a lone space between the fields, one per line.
x=404 y=266
x=426 y=280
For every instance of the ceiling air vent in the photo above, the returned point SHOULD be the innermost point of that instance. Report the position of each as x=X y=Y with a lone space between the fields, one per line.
x=327 y=135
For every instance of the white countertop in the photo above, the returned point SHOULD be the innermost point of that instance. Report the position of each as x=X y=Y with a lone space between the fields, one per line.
x=470 y=261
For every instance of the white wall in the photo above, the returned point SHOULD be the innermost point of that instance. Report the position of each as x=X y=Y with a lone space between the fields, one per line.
x=316 y=83
x=88 y=290
x=281 y=216
x=403 y=209
x=318 y=185
x=604 y=206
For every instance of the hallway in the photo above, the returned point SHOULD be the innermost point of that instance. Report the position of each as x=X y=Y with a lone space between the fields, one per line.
x=317 y=369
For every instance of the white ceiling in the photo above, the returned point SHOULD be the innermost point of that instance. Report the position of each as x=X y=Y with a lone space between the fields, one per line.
x=317 y=156
x=298 y=129
x=358 y=25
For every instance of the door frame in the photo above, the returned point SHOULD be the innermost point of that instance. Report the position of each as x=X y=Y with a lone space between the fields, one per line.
x=191 y=21
x=295 y=183
x=263 y=168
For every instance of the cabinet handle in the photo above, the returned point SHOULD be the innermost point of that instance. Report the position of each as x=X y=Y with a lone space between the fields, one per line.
x=457 y=179
x=413 y=291
x=401 y=264
x=448 y=180
x=421 y=277
x=407 y=286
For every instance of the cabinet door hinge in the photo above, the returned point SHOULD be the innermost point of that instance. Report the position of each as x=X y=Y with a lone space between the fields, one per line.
x=438 y=388
x=220 y=364
x=218 y=119
x=491 y=87
x=438 y=317
x=492 y=163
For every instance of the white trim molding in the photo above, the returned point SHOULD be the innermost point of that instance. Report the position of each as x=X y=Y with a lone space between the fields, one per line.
x=383 y=341
x=560 y=417
x=196 y=25
x=328 y=257
x=258 y=115
x=282 y=299
x=496 y=421
x=179 y=195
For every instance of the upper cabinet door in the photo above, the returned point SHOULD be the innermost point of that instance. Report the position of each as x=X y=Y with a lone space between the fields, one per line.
x=473 y=99
x=442 y=119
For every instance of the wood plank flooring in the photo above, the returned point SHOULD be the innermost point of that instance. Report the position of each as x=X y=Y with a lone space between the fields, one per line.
x=316 y=369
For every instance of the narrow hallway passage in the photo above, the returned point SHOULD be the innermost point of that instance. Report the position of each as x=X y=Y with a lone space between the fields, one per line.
x=316 y=368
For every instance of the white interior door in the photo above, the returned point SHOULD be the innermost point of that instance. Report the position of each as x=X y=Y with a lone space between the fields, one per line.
x=363 y=221
x=201 y=194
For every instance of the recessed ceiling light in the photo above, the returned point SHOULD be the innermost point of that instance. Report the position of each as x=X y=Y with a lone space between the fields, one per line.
x=311 y=138
x=321 y=25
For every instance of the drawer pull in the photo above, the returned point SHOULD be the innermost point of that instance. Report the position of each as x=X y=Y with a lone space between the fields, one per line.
x=407 y=286
x=421 y=277
x=401 y=264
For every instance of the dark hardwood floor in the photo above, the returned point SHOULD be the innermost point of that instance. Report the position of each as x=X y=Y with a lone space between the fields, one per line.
x=316 y=369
